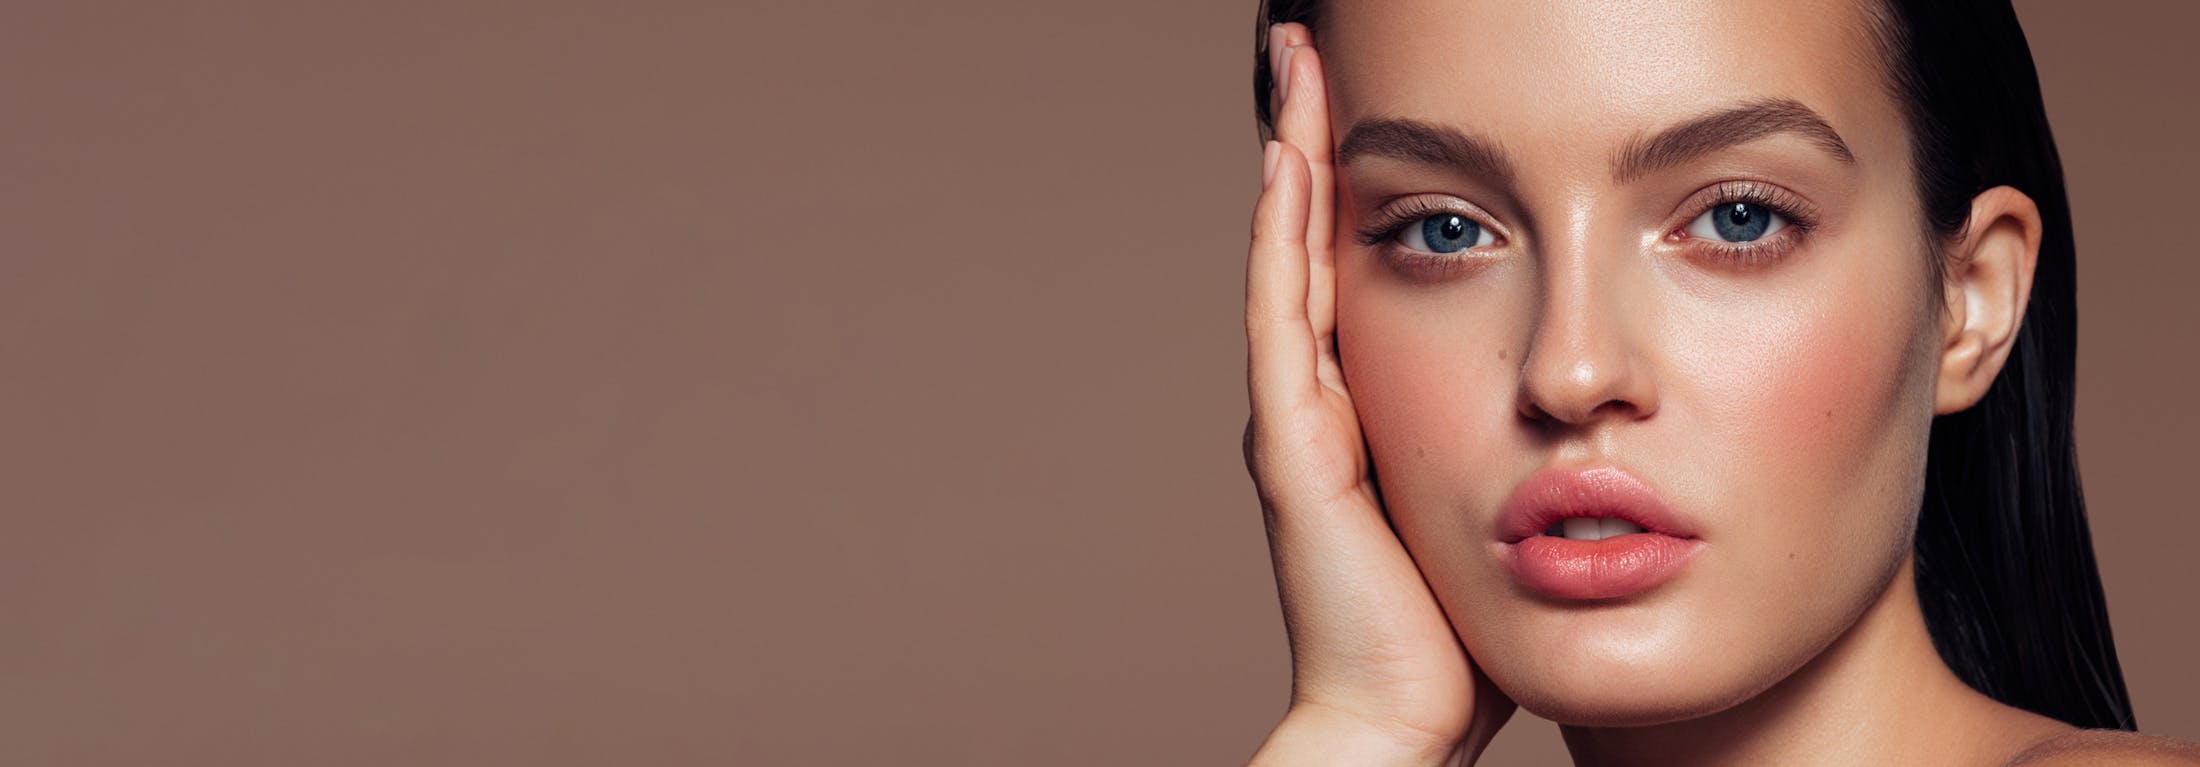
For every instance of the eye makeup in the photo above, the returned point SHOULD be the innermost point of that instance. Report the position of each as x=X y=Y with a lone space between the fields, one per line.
x=1794 y=218
x=1800 y=218
x=1383 y=229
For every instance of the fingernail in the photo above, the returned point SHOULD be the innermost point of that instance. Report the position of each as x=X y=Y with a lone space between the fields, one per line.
x=1283 y=86
x=1268 y=154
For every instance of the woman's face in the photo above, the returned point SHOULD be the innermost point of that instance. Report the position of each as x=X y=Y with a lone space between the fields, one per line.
x=1586 y=246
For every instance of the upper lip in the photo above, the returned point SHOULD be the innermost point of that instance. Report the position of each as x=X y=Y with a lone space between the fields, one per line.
x=1559 y=493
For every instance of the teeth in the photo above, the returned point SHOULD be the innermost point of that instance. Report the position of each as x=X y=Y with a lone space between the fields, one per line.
x=1592 y=528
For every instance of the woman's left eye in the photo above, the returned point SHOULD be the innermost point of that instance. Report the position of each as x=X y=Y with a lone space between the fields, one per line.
x=1737 y=222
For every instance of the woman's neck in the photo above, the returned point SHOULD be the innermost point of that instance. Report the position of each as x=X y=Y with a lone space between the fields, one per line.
x=1879 y=695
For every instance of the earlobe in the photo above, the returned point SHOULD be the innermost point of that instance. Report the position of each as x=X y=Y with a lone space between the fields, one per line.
x=1989 y=284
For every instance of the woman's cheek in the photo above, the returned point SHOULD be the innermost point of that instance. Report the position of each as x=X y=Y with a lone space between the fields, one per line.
x=1433 y=373
x=1811 y=411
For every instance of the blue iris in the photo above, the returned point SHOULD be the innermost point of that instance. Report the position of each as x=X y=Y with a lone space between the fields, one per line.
x=1450 y=233
x=1740 y=221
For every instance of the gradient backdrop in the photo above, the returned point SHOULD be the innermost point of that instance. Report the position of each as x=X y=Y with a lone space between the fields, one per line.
x=555 y=383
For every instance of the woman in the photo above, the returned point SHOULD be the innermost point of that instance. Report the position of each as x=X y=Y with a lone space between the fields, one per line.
x=1694 y=374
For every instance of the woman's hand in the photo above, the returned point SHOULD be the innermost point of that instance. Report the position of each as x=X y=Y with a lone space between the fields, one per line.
x=1378 y=676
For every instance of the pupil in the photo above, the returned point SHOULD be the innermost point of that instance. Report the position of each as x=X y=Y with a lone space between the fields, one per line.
x=1454 y=227
x=1738 y=215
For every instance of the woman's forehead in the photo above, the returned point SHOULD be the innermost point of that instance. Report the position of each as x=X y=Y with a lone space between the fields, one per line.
x=1598 y=72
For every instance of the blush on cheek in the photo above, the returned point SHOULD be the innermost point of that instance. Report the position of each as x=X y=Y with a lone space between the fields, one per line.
x=1398 y=382
x=1820 y=409
x=1828 y=385
x=1858 y=390
x=1432 y=378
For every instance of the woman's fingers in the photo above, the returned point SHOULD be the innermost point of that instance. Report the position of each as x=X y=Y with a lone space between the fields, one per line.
x=1282 y=352
x=1302 y=121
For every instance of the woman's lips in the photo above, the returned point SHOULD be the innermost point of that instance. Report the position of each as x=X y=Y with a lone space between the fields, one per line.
x=1606 y=569
x=1581 y=565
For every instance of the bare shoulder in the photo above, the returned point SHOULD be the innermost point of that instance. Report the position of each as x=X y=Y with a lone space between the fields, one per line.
x=2085 y=748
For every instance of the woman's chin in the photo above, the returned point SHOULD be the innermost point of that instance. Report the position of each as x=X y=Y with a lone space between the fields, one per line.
x=1622 y=713
x=1623 y=695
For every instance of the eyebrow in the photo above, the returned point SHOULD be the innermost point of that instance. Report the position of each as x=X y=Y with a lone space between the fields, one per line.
x=1727 y=128
x=1425 y=143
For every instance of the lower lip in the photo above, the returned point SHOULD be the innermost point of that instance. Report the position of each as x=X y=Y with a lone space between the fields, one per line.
x=1611 y=568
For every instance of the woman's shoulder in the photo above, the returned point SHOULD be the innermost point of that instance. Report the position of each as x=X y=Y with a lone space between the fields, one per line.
x=2082 y=748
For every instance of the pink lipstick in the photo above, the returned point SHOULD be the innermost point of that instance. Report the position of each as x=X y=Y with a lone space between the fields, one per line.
x=1593 y=533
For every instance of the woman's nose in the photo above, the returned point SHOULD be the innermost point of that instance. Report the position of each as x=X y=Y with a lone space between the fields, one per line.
x=1587 y=358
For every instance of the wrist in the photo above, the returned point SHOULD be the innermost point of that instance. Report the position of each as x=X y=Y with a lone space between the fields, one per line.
x=1315 y=735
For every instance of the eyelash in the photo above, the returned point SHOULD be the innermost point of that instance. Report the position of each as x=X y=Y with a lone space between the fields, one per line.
x=1382 y=232
x=1801 y=218
x=1800 y=215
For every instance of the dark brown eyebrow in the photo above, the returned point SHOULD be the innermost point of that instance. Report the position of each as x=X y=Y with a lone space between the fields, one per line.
x=1430 y=144
x=1726 y=128
x=1419 y=142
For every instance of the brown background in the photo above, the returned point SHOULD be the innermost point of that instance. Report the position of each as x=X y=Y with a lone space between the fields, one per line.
x=698 y=383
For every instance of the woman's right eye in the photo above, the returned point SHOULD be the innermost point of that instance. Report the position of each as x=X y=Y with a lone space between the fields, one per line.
x=1444 y=233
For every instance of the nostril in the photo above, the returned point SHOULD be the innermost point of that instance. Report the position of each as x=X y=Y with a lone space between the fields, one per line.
x=1582 y=390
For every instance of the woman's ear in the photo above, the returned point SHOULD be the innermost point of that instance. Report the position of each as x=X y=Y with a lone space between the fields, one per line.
x=1989 y=282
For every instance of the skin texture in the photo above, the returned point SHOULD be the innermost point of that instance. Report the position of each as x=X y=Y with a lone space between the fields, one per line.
x=1780 y=399
x=1783 y=407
